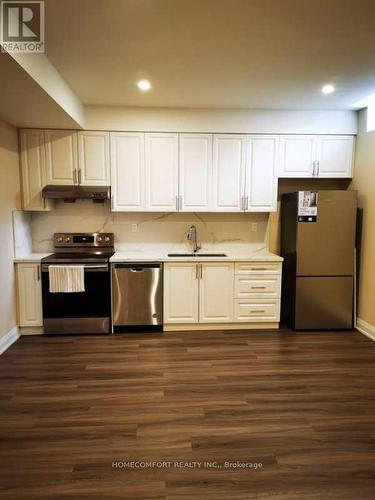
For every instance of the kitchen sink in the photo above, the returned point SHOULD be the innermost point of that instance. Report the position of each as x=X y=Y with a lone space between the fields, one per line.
x=199 y=255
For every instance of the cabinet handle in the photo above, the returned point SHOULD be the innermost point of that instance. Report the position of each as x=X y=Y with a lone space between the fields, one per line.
x=201 y=270
x=242 y=202
x=38 y=271
x=176 y=202
x=258 y=268
x=258 y=287
x=197 y=271
x=258 y=311
x=313 y=168
x=318 y=168
x=79 y=176
x=180 y=201
x=247 y=203
x=74 y=176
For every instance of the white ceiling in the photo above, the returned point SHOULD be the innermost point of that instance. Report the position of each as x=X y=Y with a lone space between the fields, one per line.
x=273 y=54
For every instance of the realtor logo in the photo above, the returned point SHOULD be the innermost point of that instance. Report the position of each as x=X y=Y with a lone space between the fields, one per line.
x=22 y=26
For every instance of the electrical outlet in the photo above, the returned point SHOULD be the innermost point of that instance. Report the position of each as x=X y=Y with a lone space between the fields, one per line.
x=254 y=227
x=134 y=228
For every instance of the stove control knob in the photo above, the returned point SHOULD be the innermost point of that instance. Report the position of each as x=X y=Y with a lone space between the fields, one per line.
x=99 y=239
x=67 y=239
x=107 y=239
x=60 y=239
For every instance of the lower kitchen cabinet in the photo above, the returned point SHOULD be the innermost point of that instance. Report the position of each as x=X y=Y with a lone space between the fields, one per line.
x=222 y=292
x=181 y=292
x=29 y=289
x=198 y=292
x=257 y=310
x=257 y=286
x=216 y=292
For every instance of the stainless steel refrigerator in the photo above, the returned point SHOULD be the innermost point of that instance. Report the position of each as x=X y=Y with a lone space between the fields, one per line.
x=318 y=245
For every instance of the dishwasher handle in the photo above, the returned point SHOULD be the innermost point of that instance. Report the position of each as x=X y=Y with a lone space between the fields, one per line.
x=138 y=266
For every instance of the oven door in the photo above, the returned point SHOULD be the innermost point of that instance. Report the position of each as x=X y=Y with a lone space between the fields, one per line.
x=84 y=312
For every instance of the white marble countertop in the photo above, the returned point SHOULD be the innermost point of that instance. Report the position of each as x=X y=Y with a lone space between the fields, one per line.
x=121 y=256
x=31 y=257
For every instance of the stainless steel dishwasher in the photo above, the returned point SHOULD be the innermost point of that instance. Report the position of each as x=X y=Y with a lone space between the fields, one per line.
x=137 y=294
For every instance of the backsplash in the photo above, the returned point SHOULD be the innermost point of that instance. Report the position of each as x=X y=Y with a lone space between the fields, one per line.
x=164 y=231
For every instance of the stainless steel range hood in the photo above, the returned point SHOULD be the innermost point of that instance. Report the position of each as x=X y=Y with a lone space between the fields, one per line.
x=71 y=193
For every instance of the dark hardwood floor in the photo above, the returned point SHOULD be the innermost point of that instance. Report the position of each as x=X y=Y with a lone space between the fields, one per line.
x=75 y=410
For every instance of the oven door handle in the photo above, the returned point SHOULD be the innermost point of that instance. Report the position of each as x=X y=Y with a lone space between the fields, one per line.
x=87 y=267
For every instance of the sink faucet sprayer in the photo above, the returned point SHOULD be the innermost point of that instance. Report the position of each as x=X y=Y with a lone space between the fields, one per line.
x=191 y=235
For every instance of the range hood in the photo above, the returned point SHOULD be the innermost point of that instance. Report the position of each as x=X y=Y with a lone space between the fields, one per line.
x=71 y=193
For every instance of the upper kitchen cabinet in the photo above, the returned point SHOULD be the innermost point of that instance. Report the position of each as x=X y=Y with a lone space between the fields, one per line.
x=128 y=171
x=195 y=192
x=93 y=158
x=62 y=157
x=161 y=160
x=316 y=156
x=261 y=174
x=229 y=163
x=334 y=156
x=33 y=169
x=297 y=155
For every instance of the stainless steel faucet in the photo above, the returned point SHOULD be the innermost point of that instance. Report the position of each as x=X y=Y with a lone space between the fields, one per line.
x=191 y=235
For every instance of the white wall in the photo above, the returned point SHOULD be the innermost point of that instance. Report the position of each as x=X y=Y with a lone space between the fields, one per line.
x=39 y=67
x=220 y=120
x=9 y=200
x=156 y=231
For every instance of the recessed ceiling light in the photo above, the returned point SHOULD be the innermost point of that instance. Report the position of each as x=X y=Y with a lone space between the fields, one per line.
x=328 y=89
x=144 y=85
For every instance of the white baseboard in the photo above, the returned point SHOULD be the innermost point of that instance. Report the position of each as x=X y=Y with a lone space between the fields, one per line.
x=8 y=339
x=366 y=328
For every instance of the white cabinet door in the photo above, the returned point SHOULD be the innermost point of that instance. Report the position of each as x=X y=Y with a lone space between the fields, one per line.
x=62 y=157
x=335 y=156
x=161 y=172
x=195 y=172
x=127 y=171
x=297 y=155
x=29 y=294
x=180 y=292
x=93 y=157
x=261 y=174
x=33 y=169
x=229 y=160
x=216 y=292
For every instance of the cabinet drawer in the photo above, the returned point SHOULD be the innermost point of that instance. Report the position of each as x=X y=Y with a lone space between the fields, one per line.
x=257 y=286
x=257 y=267
x=257 y=310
